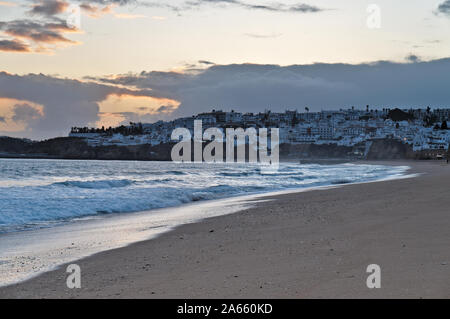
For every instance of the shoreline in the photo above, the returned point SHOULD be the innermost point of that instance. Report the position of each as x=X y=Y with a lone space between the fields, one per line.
x=21 y=259
x=84 y=232
x=13 y=228
x=200 y=234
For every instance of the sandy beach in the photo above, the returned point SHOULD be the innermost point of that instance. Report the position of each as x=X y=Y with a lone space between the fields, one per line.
x=314 y=244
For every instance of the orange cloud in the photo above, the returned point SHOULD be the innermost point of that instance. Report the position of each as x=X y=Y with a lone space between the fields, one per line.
x=109 y=120
x=50 y=33
x=96 y=12
x=49 y=7
x=129 y=16
x=14 y=46
x=140 y=105
x=35 y=36
x=16 y=114
x=7 y=4
x=117 y=109
x=159 y=18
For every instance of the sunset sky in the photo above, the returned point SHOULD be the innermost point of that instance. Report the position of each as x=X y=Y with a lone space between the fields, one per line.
x=75 y=63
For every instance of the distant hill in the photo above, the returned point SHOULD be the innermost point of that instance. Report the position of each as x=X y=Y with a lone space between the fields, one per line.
x=77 y=148
x=13 y=145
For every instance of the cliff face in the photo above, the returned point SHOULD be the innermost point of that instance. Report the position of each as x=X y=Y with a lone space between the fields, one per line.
x=77 y=148
x=13 y=145
x=313 y=151
x=390 y=149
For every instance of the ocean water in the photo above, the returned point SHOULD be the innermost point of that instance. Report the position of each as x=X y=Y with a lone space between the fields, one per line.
x=44 y=193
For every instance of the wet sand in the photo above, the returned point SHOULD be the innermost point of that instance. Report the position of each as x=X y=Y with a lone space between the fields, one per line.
x=314 y=244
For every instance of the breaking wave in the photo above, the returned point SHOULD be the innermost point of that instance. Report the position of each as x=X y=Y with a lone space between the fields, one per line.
x=42 y=193
x=96 y=184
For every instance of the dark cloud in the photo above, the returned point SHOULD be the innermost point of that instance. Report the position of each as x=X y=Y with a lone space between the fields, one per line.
x=2 y=119
x=143 y=118
x=153 y=80
x=243 y=87
x=65 y=102
x=49 y=7
x=253 y=88
x=304 y=8
x=206 y=62
x=301 y=7
x=272 y=7
x=444 y=7
x=42 y=33
x=37 y=32
x=166 y=109
x=109 y=2
x=13 y=46
x=52 y=8
x=96 y=11
x=149 y=116
x=25 y=113
x=48 y=28
x=413 y=58
x=175 y=8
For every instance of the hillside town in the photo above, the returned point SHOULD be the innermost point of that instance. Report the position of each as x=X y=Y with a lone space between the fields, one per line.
x=422 y=129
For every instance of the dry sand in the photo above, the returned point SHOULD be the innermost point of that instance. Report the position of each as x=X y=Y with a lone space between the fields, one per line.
x=313 y=244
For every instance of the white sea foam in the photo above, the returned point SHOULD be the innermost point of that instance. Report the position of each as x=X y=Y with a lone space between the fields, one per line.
x=42 y=193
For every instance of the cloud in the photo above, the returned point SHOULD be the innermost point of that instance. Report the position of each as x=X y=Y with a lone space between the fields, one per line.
x=44 y=33
x=242 y=87
x=253 y=87
x=25 y=113
x=413 y=58
x=304 y=8
x=109 y=2
x=2 y=119
x=13 y=46
x=151 y=117
x=300 y=8
x=272 y=7
x=206 y=62
x=7 y=4
x=129 y=16
x=144 y=115
x=65 y=102
x=38 y=32
x=166 y=109
x=263 y=36
x=97 y=9
x=49 y=7
x=48 y=28
x=444 y=8
x=94 y=11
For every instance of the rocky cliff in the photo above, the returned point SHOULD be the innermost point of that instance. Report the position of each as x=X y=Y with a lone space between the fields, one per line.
x=77 y=148
x=390 y=149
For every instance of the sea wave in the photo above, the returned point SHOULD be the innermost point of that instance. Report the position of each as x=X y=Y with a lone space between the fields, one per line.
x=102 y=184
x=60 y=191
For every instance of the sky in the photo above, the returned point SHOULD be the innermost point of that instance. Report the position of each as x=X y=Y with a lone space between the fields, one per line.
x=108 y=62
